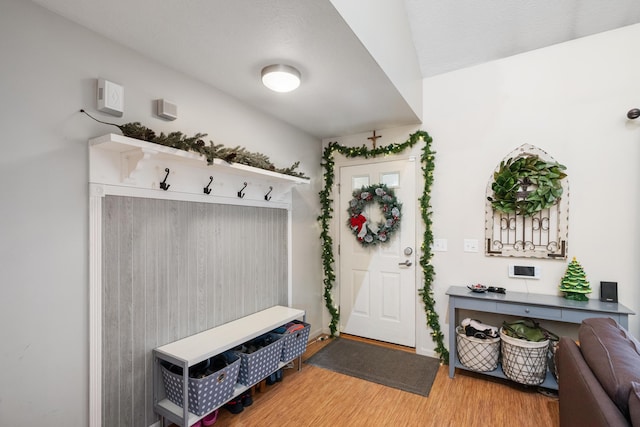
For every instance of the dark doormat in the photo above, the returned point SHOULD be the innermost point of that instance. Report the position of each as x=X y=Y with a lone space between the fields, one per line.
x=393 y=368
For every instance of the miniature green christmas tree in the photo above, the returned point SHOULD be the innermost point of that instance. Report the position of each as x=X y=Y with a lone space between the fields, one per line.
x=574 y=283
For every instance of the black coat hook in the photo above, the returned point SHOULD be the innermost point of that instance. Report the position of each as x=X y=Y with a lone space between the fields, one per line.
x=164 y=184
x=267 y=197
x=207 y=190
x=240 y=193
x=633 y=114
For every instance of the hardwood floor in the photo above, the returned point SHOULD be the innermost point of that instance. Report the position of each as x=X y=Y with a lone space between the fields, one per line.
x=318 y=397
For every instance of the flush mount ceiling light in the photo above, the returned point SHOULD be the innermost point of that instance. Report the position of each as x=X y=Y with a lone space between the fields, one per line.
x=280 y=78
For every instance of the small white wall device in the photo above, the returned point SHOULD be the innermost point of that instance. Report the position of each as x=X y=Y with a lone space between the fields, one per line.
x=166 y=109
x=524 y=271
x=110 y=97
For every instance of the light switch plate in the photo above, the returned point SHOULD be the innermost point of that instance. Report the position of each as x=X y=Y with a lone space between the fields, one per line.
x=471 y=245
x=439 y=245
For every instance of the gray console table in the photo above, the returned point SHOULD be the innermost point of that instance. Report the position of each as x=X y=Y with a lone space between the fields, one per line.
x=535 y=306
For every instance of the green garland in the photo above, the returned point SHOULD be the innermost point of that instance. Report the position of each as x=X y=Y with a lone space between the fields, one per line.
x=512 y=180
x=426 y=292
x=196 y=144
x=391 y=211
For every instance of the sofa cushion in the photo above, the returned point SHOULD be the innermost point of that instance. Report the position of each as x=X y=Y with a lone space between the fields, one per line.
x=634 y=404
x=613 y=356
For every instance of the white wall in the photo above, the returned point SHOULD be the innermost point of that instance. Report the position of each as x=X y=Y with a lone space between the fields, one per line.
x=570 y=100
x=48 y=73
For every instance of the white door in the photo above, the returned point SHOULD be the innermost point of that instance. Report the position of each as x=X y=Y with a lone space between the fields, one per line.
x=377 y=283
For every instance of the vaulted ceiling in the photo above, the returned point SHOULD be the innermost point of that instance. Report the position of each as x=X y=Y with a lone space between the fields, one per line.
x=344 y=49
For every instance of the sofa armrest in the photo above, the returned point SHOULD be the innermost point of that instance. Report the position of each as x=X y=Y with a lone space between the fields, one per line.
x=583 y=401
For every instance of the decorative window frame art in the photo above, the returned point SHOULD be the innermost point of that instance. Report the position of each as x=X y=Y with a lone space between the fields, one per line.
x=516 y=223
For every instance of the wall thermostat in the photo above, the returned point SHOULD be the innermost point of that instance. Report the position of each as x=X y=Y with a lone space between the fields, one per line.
x=524 y=271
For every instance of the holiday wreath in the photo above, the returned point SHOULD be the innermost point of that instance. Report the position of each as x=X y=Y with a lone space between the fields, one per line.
x=511 y=182
x=368 y=233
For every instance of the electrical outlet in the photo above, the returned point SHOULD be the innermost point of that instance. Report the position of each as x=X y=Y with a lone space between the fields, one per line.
x=439 y=245
x=471 y=245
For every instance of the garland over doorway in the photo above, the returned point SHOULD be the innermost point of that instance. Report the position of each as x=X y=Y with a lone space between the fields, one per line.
x=328 y=260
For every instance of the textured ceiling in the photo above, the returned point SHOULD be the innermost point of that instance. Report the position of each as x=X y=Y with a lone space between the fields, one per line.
x=226 y=43
x=450 y=35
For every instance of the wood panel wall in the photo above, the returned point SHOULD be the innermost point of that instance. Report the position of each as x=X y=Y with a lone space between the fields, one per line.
x=172 y=269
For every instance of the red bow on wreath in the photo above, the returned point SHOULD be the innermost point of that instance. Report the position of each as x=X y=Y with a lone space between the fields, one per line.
x=357 y=223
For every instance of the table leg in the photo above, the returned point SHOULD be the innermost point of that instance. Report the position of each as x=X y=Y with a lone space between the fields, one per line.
x=452 y=336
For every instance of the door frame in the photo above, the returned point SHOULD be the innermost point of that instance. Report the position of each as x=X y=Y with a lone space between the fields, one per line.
x=340 y=161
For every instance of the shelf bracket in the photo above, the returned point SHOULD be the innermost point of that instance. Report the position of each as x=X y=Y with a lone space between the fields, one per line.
x=138 y=159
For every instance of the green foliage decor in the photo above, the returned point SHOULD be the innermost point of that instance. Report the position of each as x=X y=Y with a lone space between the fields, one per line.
x=196 y=144
x=512 y=179
x=328 y=260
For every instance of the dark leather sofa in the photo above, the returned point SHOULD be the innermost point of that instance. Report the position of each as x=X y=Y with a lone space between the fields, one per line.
x=599 y=380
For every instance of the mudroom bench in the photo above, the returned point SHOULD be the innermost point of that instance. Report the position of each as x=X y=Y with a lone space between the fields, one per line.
x=196 y=348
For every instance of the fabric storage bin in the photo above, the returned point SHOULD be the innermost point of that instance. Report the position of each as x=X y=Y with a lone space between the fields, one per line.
x=523 y=361
x=295 y=343
x=256 y=366
x=206 y=393
x=477 y=354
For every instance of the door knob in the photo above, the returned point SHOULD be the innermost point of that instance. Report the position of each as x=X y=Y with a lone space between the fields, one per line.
x=407 y=263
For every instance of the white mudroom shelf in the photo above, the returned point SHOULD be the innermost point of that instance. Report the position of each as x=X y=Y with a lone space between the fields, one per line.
x=120 y=161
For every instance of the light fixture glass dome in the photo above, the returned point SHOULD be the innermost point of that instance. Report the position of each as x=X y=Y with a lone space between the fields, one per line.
x=280 y=78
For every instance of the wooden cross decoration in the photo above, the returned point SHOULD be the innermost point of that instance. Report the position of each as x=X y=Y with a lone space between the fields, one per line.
x=373 y=139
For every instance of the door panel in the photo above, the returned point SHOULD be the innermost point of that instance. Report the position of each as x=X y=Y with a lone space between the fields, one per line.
x=391 y=288
x=360 y=293
x=377 y=293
